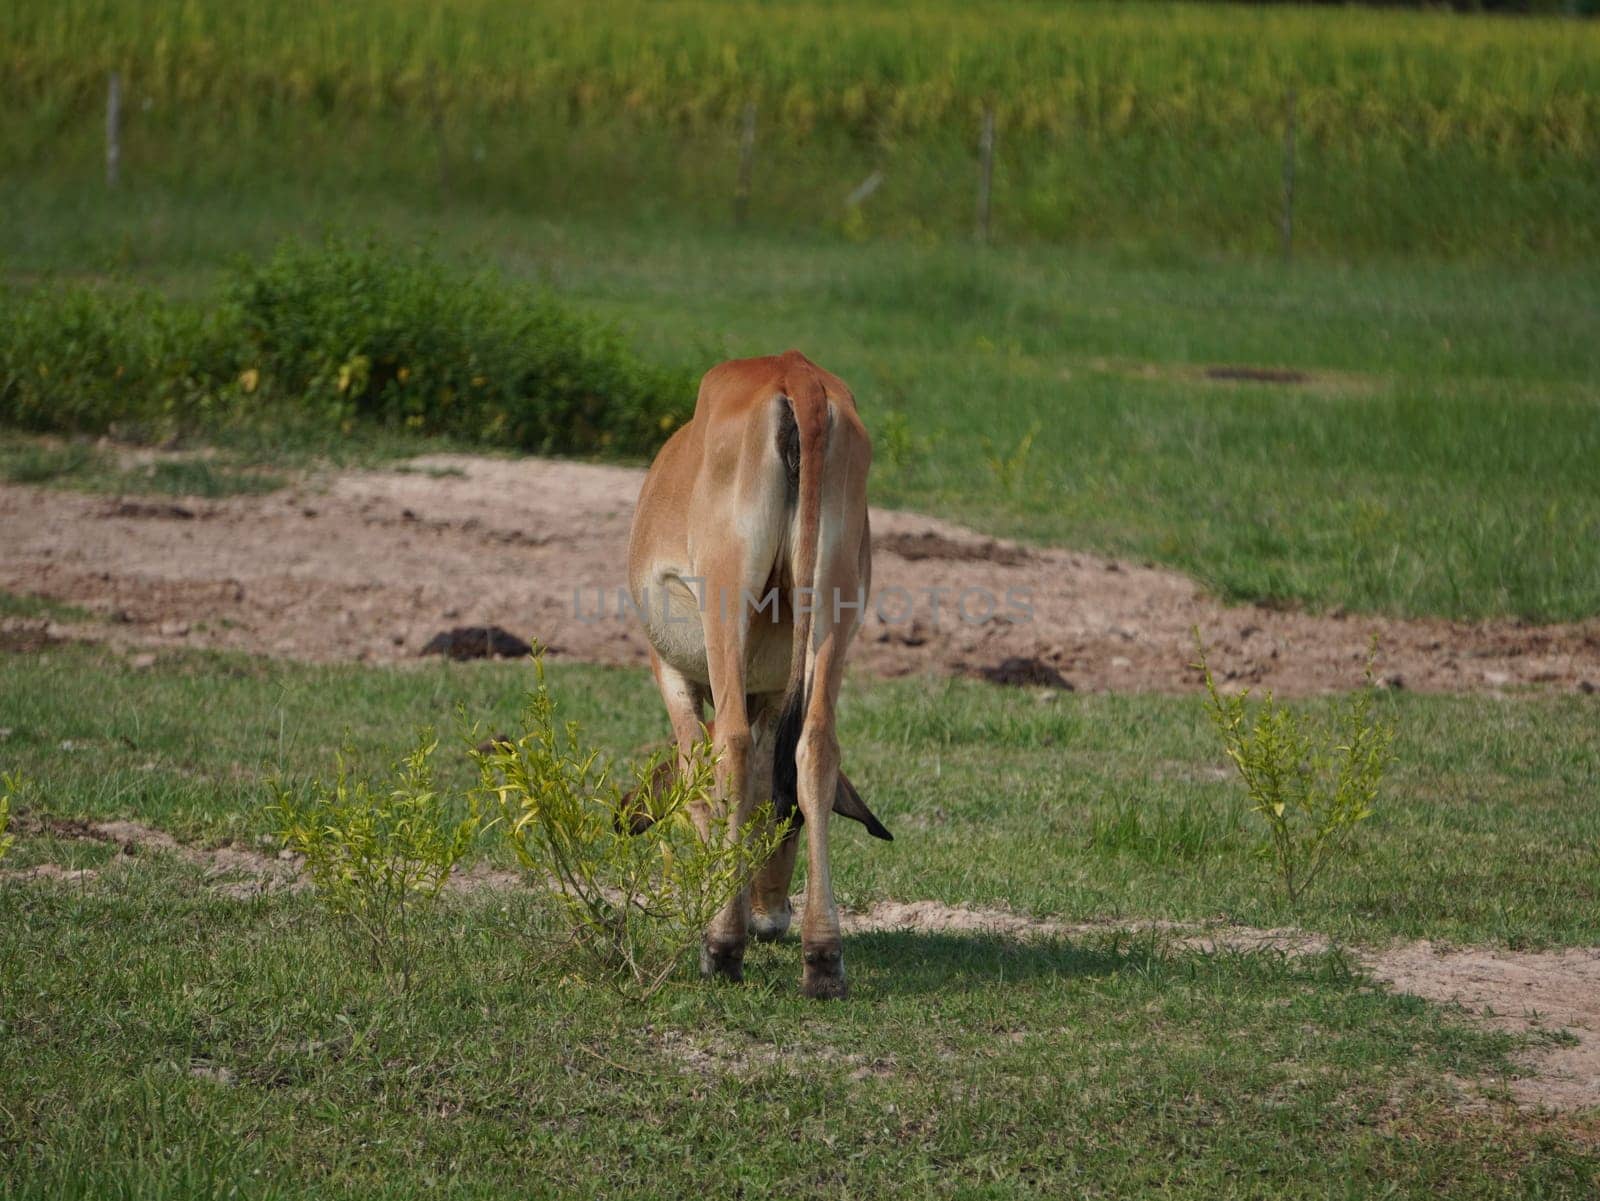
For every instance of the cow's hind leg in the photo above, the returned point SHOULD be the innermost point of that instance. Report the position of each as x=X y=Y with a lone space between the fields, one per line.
x=722 y=951
x=817 y=772
x=845 y=578
x=734 y=744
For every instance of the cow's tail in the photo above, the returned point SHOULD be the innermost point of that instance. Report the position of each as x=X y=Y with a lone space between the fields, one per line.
x=803 y=426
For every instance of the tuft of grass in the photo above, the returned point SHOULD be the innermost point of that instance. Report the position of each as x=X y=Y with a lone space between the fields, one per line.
x=196 y=477
x=42 y=464
x=1166 y=833
x=26 y=460
x=16 y=605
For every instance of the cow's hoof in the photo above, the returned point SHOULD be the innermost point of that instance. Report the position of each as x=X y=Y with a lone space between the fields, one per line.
x=722 y=961
x=770 y=927
x=823 y=979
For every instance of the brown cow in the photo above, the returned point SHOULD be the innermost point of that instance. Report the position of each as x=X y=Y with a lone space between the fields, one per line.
x=750 y=561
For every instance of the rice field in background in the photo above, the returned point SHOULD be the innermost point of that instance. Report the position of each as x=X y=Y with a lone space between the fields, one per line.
x=1142 y=124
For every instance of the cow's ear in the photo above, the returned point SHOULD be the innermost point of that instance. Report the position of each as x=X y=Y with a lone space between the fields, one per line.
x=847 y=802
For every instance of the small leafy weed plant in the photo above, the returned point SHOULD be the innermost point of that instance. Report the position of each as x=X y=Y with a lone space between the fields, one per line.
x=630 y=879
x=376 y=854
x=1312 y=782
x=1009 y=470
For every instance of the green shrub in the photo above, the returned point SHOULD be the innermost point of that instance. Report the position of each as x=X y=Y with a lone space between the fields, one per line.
x=376 y=855
x=365 y=334
x=332 y=337
x=92 y=360
x=629 y=904
x=1311 y=782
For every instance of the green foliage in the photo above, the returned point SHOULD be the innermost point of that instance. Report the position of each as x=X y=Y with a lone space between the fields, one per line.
x=10 y=789
x=1311 y=782
x=1010 y=470
x=896 y=443
x=29 y=463
x=92 y=360
x=377 y=855
x=630 y=901
x=330 y=337
x=893 y=71
x=165 y=1045
x=366 y=334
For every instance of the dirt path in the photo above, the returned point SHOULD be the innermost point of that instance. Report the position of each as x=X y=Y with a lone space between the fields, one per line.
x=368 y=565
x=1515 y=991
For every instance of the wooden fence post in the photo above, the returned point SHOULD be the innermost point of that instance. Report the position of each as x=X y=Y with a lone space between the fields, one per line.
x=1288 y=178
x=114 y=129
x=864 y=189
x=747 y=155
x=441 y=149
x=986 y=173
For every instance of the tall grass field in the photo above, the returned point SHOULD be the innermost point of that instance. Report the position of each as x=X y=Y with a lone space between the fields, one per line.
x=1147 y=124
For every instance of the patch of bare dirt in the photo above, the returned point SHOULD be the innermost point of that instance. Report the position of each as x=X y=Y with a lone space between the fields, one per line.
x=50 y=871
x=369 y=565
x=936 y=917
x=928 y=544
x=25 y=636
x=157 y=510
x=484 y=875
x=740 y=1057
x=233 y=869
x=1516 y=991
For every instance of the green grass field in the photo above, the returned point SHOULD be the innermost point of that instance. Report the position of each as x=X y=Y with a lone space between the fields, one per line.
x=163 y=1039
x=1117 y=796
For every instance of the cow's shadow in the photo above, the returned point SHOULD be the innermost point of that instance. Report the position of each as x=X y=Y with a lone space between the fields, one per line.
x=912 y=962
